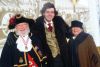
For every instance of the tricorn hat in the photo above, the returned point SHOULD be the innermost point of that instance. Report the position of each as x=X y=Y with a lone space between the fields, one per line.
x=19 y=19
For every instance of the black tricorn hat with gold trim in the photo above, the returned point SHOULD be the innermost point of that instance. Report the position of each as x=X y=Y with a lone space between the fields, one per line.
x=19 y=19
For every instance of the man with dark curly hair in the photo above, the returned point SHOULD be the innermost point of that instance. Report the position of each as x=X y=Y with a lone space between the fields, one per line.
x=51 y=30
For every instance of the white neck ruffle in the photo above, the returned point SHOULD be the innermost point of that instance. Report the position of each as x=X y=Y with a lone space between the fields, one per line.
x=21 y=45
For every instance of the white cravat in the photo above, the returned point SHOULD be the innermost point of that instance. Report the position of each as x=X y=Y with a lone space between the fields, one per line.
x=47 y=24
x=21 y=45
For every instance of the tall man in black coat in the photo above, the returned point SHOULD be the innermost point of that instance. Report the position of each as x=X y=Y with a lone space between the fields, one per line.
x=51 y=29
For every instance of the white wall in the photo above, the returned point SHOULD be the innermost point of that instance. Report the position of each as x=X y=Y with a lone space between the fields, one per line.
x=93 y=23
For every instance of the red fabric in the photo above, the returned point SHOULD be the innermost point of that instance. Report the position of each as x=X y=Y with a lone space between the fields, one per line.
x=12 y=20
x=31 y=62
x=50 y=27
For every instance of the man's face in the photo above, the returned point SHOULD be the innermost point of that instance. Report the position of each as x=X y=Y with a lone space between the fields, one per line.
x=76 y=31
x=22 y=28
x=49 y=14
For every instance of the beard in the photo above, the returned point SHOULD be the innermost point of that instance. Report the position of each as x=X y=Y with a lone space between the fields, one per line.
x=23 y=33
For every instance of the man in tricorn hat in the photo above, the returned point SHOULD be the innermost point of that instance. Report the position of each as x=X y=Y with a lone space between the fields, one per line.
x=21 y=48
x=82 y=49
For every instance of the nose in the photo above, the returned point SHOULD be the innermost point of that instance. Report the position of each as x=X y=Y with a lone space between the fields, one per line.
x=21 y=27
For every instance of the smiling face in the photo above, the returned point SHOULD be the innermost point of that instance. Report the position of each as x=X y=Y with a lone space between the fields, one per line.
x=49 y=14
x=76 y=31
x=22 y=28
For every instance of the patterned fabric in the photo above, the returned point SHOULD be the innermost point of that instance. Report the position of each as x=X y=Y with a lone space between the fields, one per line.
x=52 y=42
x=31 y=62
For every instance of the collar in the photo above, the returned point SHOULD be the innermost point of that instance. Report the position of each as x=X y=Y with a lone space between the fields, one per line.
x=16 y=36
x=46 y=23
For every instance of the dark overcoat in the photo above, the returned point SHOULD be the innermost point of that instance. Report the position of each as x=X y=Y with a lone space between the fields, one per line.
x=60 y=32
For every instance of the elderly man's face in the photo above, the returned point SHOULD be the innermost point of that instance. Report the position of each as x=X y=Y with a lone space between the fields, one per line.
x=49 y=14
x=76 y=31
x=22 y=28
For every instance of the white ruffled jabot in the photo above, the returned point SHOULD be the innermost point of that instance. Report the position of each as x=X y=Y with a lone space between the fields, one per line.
x=21 y=45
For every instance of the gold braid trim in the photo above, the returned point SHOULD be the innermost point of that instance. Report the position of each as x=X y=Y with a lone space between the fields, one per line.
x=22 y=64
x=15 y=35
x=18 y=16
x=37 y=54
